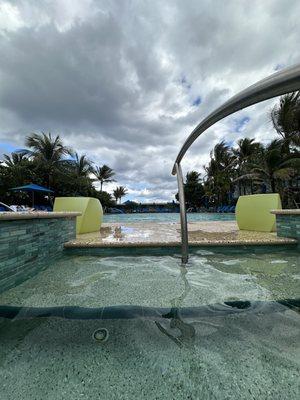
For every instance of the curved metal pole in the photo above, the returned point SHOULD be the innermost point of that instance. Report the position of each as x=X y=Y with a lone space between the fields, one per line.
x=277 y=84
x=183 y=220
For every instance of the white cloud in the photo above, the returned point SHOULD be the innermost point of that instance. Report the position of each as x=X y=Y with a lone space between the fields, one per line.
x=118 y=79
x=10 y=18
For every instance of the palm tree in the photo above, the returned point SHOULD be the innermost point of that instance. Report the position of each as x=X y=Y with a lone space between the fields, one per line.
x=15 y=159
x=247 y=149
x=193 y=189
x=104 y=174
x=75 y=171
x=219 y=171
x=19 y=168
x=222 y=154
x=286 y=119
x=119 y=192
x=192 y=177
x=47 y=152
x=276 y=165
x=82 y=165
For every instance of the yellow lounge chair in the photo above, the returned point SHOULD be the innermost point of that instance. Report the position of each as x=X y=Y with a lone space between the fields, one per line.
x=253 y=212
x=90 y=208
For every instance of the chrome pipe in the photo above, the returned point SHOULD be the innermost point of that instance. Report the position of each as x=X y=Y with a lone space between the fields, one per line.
x=183 y=219
x=285 y=81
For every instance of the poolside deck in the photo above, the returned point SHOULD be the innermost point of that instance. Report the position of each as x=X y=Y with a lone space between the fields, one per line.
x=149 y=234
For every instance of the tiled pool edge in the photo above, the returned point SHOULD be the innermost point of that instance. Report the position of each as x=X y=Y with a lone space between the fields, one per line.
x=174 y=249
x=288 y=223
x=30 y=241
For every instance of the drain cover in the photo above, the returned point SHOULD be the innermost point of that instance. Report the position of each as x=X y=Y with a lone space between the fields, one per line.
x=101 y=335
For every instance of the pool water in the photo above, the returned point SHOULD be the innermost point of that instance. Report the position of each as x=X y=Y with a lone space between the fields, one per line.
x=250 y=353
x=167 y=217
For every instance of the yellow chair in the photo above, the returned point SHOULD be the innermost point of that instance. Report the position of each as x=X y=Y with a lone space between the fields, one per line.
x=253 y=212
x=90 y=208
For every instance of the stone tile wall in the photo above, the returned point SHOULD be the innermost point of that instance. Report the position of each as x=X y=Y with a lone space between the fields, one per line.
x=29 y=245
x=288 y=226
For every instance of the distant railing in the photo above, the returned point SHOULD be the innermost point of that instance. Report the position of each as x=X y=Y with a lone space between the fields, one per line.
x=285 y=81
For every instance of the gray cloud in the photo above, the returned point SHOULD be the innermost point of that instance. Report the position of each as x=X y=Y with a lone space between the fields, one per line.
x=118 y=79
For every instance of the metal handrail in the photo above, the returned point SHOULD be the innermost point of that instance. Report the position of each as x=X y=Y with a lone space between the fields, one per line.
x=183 y=220
x=285 y=81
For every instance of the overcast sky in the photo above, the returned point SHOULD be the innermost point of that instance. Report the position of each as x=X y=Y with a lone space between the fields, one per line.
x=126 y=81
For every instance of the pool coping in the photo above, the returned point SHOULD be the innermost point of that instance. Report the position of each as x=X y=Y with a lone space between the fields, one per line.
x=75 y=245
x=292 y=211
x=19 y=215
x=167 y=234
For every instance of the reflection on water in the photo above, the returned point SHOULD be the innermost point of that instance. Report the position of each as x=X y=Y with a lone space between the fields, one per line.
x=119 y=233
x=166 y=217
x=187 y=331
x=211 y=277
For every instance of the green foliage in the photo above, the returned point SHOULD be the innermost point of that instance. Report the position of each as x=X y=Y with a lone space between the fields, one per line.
x=193 y=189
x=119 y=192
x=103 y=174
x=286 y=119
x=220 y=171
x=48 y=162
x=105 y=198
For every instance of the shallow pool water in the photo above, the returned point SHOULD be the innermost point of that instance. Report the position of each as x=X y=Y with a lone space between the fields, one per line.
x=167 y=217
x=251 y=353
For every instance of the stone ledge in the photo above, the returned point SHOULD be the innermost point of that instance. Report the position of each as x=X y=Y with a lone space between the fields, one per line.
x=83 y=245
x=295 y=211
x=13 y=216
x=153 y=234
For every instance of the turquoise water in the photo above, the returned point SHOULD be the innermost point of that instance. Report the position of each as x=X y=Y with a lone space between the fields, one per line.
x=167 y=217
x=250 y=354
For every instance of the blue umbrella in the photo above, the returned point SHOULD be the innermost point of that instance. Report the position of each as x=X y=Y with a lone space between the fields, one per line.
x=32 y=188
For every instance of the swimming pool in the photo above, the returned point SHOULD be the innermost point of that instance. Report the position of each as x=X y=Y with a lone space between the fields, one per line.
x=167 y=217
x=217 y=329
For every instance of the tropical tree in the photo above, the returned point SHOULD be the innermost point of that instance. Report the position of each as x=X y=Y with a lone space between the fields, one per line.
x=104 y=174
x=246 y=149
x=15 y=159
x=246 y=152
x=82 y=165
x=277 y=166
x=105 y=198
x=46 y=162
x=193 y=177
x=18 y=167
x=193 y=189
x=220 y=171
x=119 y=192
x=47 y=152
x=286 y=120
x=73 y=176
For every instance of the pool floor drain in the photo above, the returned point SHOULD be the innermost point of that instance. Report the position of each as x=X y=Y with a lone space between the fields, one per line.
x=101 y=335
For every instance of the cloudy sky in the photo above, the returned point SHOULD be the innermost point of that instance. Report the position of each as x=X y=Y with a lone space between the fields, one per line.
x=126 y=81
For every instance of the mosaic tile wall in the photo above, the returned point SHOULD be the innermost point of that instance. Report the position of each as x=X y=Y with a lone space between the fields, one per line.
x=288 y=226
x=29 y=245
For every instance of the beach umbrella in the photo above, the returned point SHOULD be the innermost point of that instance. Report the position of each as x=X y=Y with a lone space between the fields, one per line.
x=33 y=189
